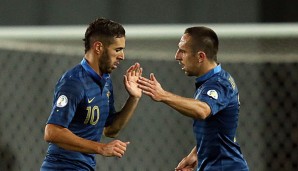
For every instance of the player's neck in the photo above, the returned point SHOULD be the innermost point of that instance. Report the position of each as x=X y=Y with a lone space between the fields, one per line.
x=206 y=67
x=93 y=62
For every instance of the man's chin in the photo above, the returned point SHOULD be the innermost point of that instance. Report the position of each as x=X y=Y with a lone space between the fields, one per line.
x=187 y=73
x=110 y=70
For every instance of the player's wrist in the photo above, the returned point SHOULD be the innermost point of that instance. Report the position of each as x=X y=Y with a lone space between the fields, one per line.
x=134 y=98
x=166 y=96
x=100 y=148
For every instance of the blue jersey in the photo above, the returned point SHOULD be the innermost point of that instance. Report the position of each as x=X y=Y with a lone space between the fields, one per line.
x=84 y=104
x=216 y=144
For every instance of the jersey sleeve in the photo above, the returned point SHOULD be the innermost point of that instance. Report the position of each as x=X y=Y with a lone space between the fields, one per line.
x=68 y=94
x=216 y=95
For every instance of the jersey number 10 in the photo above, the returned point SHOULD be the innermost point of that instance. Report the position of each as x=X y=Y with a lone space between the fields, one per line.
x=92 y=115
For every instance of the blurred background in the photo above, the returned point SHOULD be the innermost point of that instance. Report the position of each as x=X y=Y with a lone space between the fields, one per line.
x=55 y=12
x=40 y=40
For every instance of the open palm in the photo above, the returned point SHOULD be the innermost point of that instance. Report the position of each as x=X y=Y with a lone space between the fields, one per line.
x=130 y=80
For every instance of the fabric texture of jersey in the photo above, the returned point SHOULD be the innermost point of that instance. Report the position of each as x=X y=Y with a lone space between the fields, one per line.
x=217 y=148
x=84 y=104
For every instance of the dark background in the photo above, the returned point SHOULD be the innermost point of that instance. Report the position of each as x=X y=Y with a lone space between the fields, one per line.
x=77 y=12
x=265 y=70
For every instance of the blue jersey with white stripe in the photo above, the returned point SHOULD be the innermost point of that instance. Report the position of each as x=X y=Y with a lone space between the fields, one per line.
x=84 y=104
x=215 y=136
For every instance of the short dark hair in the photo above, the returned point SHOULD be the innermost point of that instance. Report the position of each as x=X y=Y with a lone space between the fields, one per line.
x=103 y=30
x=205 y=39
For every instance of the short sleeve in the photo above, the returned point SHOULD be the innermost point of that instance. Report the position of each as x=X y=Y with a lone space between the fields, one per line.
x=215 y=95
x=68 y=94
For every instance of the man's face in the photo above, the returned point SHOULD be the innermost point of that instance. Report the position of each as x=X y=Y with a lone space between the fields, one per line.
x=186 y=57
x=112 y=55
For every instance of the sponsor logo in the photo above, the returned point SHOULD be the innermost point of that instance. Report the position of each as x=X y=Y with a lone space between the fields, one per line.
x=90 y=100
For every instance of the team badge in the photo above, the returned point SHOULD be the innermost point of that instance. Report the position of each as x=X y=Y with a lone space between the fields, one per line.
x=62 y=101
x=108 y=94
x=213 y=94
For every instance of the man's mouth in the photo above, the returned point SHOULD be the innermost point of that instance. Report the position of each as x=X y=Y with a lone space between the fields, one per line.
x=182 y=66
x=115 y=65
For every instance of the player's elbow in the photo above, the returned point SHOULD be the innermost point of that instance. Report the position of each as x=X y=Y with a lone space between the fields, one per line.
x=110 y=132
x=200 y=116
x=204 y=116
x=49 y=135
x=203 y=113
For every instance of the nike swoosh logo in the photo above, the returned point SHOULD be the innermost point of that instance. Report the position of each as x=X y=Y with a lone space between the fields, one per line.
x=89 y=101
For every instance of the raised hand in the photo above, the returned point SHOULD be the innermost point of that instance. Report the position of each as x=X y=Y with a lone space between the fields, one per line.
x=151 y=87
x=130 y=80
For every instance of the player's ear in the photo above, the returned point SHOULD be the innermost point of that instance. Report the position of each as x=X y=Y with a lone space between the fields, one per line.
x=97 y=47
x=201 y=56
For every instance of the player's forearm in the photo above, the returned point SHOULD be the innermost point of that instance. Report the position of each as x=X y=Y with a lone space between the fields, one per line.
x=122 y=118
x=69 y=141
x=192 y=156
x=193 y=152
x=88 y=147
x=187 y=106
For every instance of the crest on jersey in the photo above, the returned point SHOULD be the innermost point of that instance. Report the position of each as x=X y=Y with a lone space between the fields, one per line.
x=62 y=101
x=108 y=94
x=213 y=94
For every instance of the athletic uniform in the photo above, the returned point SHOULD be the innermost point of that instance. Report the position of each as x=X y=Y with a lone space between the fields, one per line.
x=217 y=149
x=84 y=104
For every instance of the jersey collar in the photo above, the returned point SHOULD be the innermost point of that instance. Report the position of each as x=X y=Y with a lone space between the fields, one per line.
x=209 y=74
x=98 y=79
